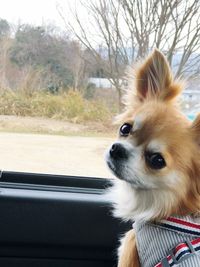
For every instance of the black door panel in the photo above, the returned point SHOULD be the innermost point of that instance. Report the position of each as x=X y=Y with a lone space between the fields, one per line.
x=56 y=225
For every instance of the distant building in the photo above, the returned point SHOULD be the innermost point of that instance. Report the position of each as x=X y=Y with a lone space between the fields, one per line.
x=100 y=82
x=188 y=95
x=106 y=83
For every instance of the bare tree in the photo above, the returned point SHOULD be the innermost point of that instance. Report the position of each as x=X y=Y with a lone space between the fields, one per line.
x=76 y=63
x=128 y=29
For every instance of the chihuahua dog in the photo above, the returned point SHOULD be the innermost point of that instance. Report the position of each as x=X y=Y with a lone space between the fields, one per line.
x=157 y=162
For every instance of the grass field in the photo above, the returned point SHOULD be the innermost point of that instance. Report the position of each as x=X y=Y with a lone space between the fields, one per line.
x=67 y=106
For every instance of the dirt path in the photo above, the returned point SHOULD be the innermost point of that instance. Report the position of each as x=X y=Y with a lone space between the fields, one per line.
x=12 y=124
x=54 y=154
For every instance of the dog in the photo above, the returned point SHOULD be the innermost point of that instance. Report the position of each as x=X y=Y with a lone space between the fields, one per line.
x=157 y=162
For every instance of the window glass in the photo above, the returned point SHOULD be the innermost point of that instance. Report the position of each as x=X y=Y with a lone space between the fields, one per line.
x=64 y=68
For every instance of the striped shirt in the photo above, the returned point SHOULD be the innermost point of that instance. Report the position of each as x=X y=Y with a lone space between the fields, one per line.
x=171 y=242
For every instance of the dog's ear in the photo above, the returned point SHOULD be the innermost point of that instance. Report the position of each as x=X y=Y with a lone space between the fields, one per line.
x=196 y=129
x=154 y=79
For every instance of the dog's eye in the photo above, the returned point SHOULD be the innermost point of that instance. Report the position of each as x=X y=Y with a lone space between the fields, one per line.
x=125 y=129
x=155 y=160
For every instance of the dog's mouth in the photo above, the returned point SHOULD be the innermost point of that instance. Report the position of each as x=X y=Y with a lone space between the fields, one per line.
x=114 y=169
x=118 y=169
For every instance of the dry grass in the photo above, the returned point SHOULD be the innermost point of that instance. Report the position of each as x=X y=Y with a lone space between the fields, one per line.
x=70 y=106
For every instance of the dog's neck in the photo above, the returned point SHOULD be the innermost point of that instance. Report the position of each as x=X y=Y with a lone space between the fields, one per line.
x=142 y=205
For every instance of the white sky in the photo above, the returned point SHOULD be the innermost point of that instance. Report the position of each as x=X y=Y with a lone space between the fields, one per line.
x=35 y=12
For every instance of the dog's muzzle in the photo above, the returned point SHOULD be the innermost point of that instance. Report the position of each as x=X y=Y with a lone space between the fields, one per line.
x=118 y=152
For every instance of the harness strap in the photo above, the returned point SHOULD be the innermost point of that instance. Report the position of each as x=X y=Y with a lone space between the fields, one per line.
x=180 y=253
x=183 y=250
x=181 y=226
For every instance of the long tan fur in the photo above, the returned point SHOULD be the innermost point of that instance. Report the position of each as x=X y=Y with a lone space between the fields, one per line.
x=153 y=99
x=129 y=256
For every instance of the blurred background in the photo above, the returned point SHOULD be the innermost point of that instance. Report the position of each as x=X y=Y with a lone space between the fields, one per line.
x=65 y=66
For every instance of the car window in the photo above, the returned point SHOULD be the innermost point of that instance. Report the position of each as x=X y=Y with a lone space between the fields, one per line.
x=65 y=67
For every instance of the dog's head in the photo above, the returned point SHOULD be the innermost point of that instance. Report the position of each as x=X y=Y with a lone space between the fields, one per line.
x=157 y=155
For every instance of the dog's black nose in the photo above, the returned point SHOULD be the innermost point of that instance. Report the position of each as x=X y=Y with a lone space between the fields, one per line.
x=118 y=151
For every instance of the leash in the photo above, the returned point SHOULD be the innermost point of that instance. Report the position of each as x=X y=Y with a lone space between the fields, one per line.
x=183 y=250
